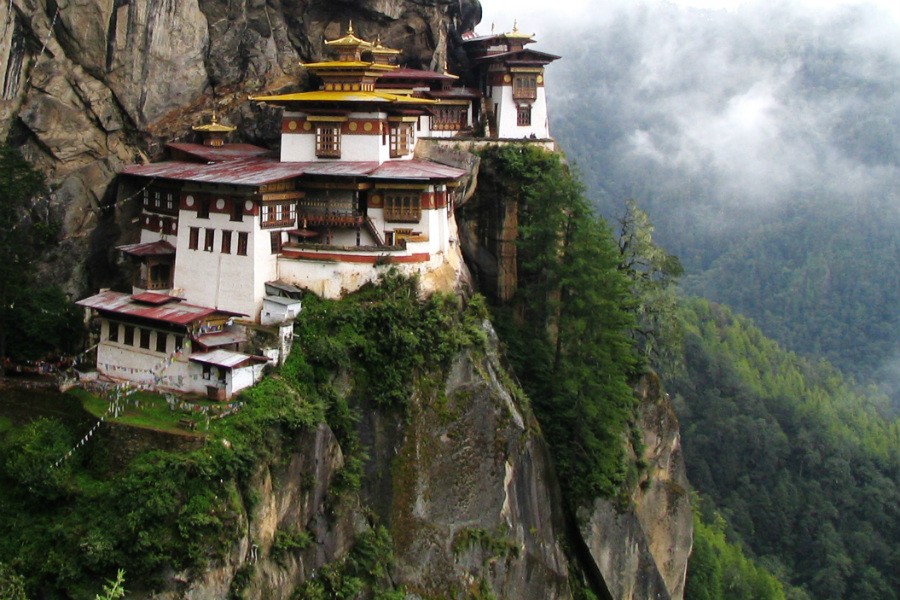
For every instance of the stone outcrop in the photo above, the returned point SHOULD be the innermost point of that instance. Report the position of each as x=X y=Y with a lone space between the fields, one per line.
x=642 y=551
x=475 y=501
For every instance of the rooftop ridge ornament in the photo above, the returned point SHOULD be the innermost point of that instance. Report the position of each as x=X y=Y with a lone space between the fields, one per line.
x=213 y=133
x=515 y=33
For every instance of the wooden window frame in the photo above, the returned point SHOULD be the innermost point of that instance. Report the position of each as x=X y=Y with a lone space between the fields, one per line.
x=162 y=342
x=226 y=241
x=275 y=241
x=402 y=139
x=237 y=210
x=525 y=86
x=242 y=243
x=128 y=337
x=194 y=238
x=328 y=140
x=403 y=206
x=523 y=115
x=209 y=241
x=144 y=338
x=113 y=333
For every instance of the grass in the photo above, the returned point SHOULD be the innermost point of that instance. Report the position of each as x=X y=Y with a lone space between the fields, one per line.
x=148 y=410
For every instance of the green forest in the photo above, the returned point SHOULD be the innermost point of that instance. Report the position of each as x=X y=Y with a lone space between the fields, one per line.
x=800 y=464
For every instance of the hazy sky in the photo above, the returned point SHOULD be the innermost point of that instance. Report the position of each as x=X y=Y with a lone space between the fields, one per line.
x=532 y=14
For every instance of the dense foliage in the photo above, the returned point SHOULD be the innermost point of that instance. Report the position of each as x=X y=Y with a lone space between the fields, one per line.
x=803 y=467
x=63 y=530
x=718 y=570
x=569 y=329
x=35 y=320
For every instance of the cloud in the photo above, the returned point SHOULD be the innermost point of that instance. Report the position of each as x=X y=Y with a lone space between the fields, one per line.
x=765 y=101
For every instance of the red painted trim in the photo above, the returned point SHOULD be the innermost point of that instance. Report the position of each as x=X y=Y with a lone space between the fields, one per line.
x=356 y=258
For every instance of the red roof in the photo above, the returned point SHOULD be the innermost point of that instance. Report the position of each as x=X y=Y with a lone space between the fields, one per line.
x=154 y=298
x=416 y=74
x=247 y=171
x=415 y=169
x=218 y=153
x=176 y=313
x=159 y=248
x=259 y=171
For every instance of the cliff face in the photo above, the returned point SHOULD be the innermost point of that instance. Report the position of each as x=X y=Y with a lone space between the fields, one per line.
x=642 y=552
x=463 y=484
x=89 y=86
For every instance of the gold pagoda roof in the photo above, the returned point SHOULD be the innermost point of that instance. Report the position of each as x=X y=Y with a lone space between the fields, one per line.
x=214 y=126
x=350 y=40
x=348 y=64
x=378 y=48
x=329 y=96
x=516 y=34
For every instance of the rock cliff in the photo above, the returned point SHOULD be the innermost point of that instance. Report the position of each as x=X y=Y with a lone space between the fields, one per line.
x=642 y=551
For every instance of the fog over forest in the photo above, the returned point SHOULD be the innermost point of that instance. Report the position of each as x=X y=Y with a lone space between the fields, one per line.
x=762 y=140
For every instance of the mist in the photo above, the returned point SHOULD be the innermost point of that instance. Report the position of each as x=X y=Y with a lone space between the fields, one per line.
x=724 y=124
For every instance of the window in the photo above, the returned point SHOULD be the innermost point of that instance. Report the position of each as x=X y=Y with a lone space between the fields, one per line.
x=328 y=140
x=145 y=338
x=170 y=201
x=129 y=335
x=242 y=243
x=401 y=139
x=207 y=372
x=402 y=206
x=448 y=118
x=525 y=87
x=222 y=372
x=113 y=332
x=161 y=339
x=226 y=241
x=160 y=276
x=237 y=210
x=194 y=239
x=275 y=237
x=203 y=209
x=278 y=215
x=210 y=240
x=523 y=116
x=179 y=343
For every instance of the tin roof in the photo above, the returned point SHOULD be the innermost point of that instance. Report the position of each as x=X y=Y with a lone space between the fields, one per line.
x=227 y=359
x=351 y=97
x=224 y=338
x=417 y=74
x=415 y=169
x=284 y=287
x=158 y=248
x=248 y=171
x=259 y=171
x=220 y=153
x=155 y=299
x=176 y=313
x=526 y=54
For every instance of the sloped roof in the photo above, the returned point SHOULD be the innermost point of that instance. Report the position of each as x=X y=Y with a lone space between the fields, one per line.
x=220 y=153
x=260 y=171
x=174 y=312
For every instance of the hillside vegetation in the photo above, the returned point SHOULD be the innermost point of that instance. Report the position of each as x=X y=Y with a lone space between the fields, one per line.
x=803 y=467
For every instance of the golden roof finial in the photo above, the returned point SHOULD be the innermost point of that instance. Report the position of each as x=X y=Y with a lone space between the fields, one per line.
x=515 y=26
x=493 y=26
x=350 y=28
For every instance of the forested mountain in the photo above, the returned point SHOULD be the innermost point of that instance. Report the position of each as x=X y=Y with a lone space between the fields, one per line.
x=803 y=468
x=763 y=142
